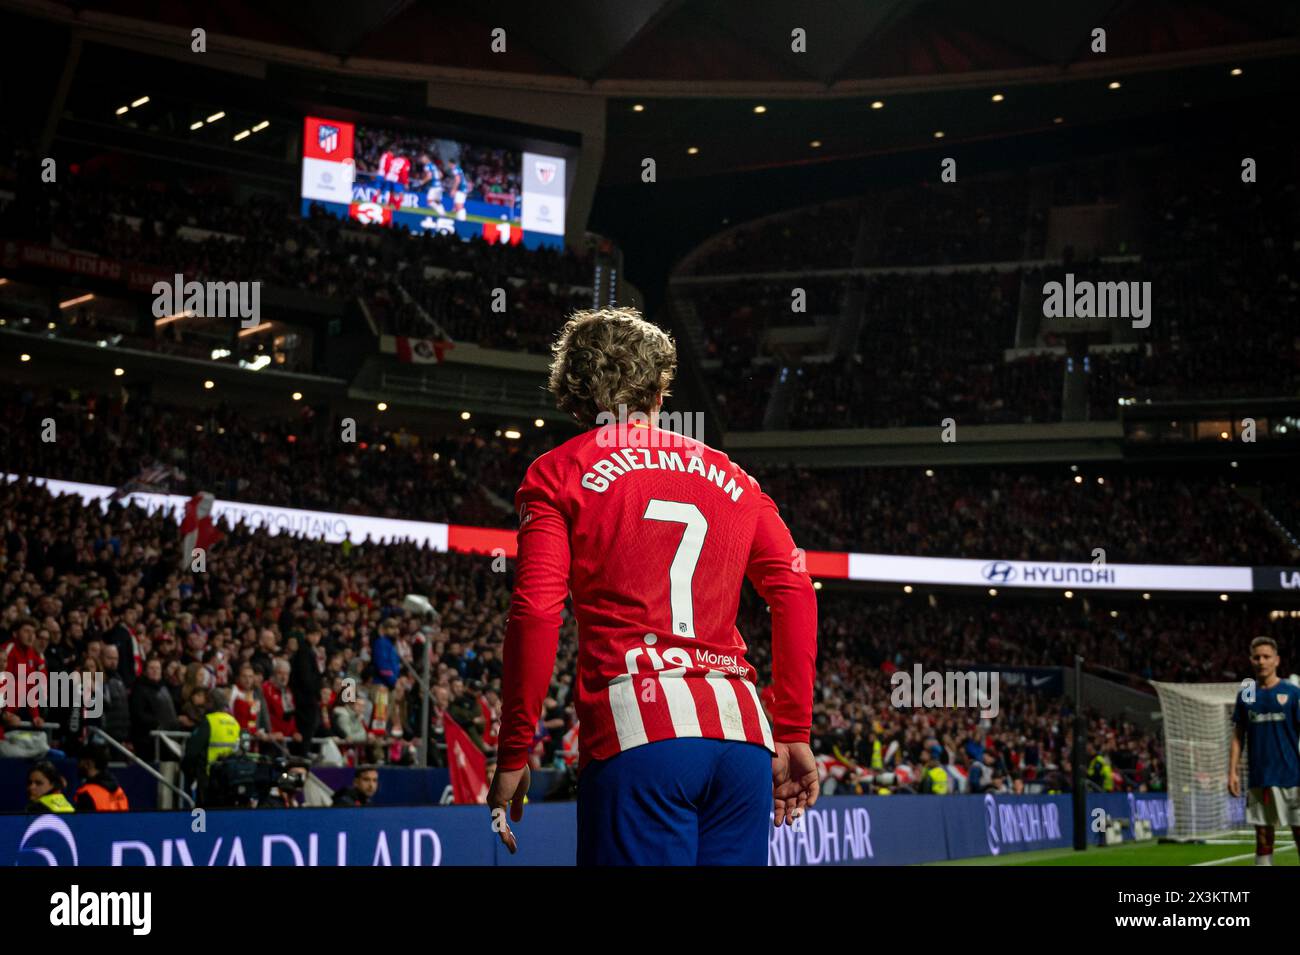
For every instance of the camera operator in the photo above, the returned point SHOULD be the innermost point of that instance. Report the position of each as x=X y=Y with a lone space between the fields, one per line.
x=291 y=781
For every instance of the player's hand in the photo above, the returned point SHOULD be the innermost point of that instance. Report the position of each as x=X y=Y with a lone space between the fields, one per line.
x=794 y=782
x=509 y=787
x=1234 y=784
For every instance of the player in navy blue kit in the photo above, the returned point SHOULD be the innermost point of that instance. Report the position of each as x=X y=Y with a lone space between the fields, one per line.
x=458 y=186
x=1266 y=721
x=432 y=183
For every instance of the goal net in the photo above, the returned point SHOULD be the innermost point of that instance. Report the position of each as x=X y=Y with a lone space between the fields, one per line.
x=1198 y=734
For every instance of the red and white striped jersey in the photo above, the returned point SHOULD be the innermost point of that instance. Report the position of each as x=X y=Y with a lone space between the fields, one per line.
x=653 y=533
x=397 y=169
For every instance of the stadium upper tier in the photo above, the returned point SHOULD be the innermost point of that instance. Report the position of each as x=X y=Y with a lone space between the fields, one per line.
x=932 y=301
x=428 y=286
x=289 y=461
x=1135 y=516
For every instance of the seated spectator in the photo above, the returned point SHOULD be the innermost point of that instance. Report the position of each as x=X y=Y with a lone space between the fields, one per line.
x=348 y=720
x=364 y=786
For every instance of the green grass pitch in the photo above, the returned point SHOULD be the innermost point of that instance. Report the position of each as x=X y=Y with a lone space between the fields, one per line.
x=1236 y=850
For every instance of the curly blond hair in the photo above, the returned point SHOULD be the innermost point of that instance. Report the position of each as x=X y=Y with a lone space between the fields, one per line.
x=607 y=357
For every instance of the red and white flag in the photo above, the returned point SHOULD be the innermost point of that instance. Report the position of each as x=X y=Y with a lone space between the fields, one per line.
x=198 y=529
x=467 y=763
x=421 y=351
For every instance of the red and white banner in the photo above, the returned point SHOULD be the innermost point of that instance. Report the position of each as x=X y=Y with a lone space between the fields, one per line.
x=197 y=528
x=467 y=763
x=422 y=351
x=16 y=255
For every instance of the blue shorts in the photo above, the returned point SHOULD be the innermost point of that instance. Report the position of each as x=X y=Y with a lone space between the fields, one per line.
x=677 y=802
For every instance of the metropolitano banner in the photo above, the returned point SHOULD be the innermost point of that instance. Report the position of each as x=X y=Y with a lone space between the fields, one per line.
x=876 y=568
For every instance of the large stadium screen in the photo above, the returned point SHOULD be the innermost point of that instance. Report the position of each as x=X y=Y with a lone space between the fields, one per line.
x=423 y=182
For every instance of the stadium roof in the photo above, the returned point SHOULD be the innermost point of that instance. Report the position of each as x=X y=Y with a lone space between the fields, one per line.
x=673 y=46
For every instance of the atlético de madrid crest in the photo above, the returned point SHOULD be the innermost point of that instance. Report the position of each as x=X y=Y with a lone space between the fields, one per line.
x=327 y=137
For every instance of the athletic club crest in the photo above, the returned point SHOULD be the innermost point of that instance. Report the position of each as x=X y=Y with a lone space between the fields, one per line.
x=545 y=170
x=327 y=137
x=1282 y=698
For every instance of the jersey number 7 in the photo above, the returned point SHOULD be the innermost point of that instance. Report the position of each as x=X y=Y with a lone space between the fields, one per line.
x=681 y=573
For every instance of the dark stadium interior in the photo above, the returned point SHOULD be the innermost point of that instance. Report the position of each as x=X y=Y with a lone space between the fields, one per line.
x=777 y=178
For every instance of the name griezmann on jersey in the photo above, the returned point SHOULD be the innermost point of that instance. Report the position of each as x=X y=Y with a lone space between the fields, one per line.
x=614 y=465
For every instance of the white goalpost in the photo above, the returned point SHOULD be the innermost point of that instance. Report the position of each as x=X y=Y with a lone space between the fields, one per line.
x=1198 y=732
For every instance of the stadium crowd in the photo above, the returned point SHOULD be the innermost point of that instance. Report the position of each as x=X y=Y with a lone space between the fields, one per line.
x=287 y=461
x=918 y=224
x=461 y=307
x=929 y=348
x=281 y=624
x=1026 y=514
x=865 y=638
x=1135 y=516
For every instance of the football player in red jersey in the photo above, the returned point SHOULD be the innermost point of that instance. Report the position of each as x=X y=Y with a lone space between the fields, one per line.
x=652 y=533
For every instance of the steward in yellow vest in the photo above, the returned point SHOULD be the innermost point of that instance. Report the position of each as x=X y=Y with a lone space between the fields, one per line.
x=223 y=736
x=55 y=802
x=214 y=739
x=933 y=778
x=45 y=789
x=1099 y=772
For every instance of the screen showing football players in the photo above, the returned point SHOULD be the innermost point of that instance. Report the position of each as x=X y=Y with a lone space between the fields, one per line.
x=422 y=182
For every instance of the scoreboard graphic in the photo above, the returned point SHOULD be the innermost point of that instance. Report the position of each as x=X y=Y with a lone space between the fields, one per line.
x=422 y=183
